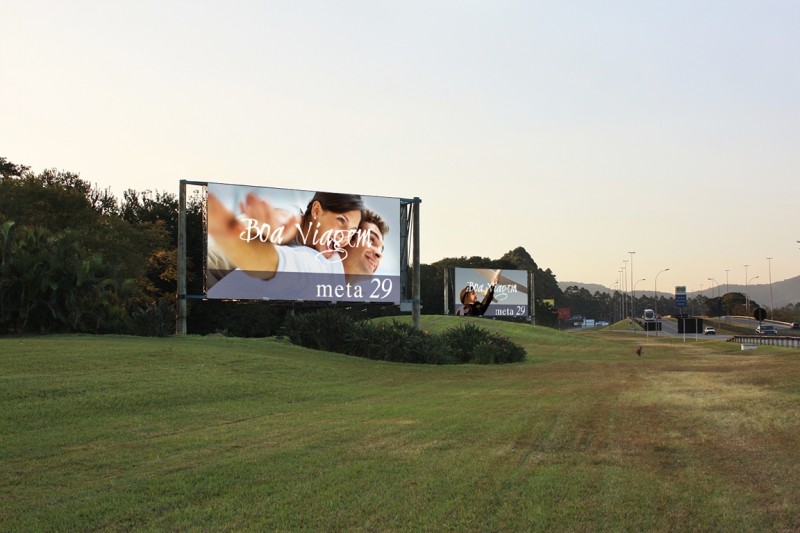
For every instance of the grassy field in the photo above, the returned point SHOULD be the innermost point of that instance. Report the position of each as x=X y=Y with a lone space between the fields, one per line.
x=622 y=325
x=218 y=434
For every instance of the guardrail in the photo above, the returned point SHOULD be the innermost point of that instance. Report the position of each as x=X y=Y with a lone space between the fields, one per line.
x=771 y=340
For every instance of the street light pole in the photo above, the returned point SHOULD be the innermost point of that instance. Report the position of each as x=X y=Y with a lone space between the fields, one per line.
x=712 y=280
x=633 y=293
x=747 y=291
x=748 y=295
x=621 y=295
x=655 y=297
x=727 y=291
x=771 y=309
x=625 y=290
x=633 y=300
x=611 y=306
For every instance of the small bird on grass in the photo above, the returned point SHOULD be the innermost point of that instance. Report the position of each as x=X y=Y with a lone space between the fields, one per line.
x=639 y=351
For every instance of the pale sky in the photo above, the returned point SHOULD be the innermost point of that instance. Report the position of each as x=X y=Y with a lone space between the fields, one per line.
x=579 y=130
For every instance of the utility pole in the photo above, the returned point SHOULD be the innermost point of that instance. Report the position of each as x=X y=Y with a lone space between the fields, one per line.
x=771 y=308
x=633 y=292
x=655 y=298
x=747 y=291
x=625 y=279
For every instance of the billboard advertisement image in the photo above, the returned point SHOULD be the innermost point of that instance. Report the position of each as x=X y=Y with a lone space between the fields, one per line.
x=283 y=244
x=491 y=293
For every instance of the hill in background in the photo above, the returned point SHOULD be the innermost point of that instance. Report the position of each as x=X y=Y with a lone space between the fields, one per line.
x=783 y=292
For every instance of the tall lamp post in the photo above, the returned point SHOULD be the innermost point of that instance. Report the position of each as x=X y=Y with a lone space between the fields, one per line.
x=625 y=287
x=713 y=280
x=748 y=295
x=727 y=291
x=771 y=309
x=655 y=296
x=633 y=294
x=611 y=305
x=633 y=300
x=621 y=309
x=746 y=290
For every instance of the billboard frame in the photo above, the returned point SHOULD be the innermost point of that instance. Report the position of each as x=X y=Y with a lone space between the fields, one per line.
x=409 y=224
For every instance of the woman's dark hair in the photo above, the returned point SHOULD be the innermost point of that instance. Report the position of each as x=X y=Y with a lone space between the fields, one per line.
x=338 y=203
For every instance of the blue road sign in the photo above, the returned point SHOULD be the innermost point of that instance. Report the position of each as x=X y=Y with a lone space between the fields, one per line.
x=680 y=296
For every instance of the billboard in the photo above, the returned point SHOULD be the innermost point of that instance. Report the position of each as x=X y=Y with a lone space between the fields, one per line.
x=563 y=313
x=284 y=244
x=491 y=293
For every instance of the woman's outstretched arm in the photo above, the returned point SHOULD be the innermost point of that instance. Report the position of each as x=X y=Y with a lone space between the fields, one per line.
x=231 y=236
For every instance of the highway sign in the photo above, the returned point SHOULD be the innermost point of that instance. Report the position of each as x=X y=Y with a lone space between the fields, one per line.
x=680 y=295
x=760 y=314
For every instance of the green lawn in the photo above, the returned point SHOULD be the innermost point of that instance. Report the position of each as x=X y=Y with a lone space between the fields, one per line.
x=218 y=434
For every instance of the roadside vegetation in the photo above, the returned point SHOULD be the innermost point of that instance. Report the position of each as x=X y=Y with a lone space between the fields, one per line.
x=337 y=331
x=116 y=433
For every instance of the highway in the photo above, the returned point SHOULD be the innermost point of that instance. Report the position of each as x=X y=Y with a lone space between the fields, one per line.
x=670 y=329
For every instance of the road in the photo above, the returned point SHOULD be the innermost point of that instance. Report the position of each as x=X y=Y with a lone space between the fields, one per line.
x=752 y=322
x=670 y=329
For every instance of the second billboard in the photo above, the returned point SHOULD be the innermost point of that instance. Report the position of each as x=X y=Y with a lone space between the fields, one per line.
x=491 y=293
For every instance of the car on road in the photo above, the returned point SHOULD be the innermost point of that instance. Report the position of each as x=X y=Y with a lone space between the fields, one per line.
x=709 y=331
x=766 y=330
x=795 y=325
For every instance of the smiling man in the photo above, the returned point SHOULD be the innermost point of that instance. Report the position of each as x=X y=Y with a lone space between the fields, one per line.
x=365 y=253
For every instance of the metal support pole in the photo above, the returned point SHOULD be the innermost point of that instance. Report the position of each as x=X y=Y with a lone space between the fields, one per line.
x=446 y=292
x=181 y=325
x=531 y=297
x=416 y=307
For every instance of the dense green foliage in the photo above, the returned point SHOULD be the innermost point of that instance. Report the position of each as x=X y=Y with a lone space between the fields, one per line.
x=77 y=259
x=48 y=282
x=336 y=331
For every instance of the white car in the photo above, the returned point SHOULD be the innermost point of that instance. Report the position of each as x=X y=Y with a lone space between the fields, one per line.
x=710 y=331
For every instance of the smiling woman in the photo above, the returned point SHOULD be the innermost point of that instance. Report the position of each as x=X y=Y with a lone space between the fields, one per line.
x=326 y=226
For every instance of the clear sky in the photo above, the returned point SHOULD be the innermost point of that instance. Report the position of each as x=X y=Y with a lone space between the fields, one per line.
x=579 y=130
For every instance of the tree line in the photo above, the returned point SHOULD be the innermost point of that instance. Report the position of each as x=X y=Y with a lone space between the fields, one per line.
x=75 y=258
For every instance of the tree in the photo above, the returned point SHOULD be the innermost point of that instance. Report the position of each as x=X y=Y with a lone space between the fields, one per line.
x=48 y=283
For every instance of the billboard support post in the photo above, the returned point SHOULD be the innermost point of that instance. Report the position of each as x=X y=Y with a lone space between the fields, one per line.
x=446 y=291
x=181 y=323
x=531 y=299
x=415 y=309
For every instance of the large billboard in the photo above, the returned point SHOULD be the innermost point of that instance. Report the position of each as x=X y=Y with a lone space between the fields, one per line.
x=282 y=244
x=490 y=293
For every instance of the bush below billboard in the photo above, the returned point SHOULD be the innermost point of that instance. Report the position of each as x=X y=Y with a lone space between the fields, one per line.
x=281 y=244
x=491 y=293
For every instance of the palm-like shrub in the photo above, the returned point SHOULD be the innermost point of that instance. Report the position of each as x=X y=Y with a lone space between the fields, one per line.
x=48 y=283
x=335 y=331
